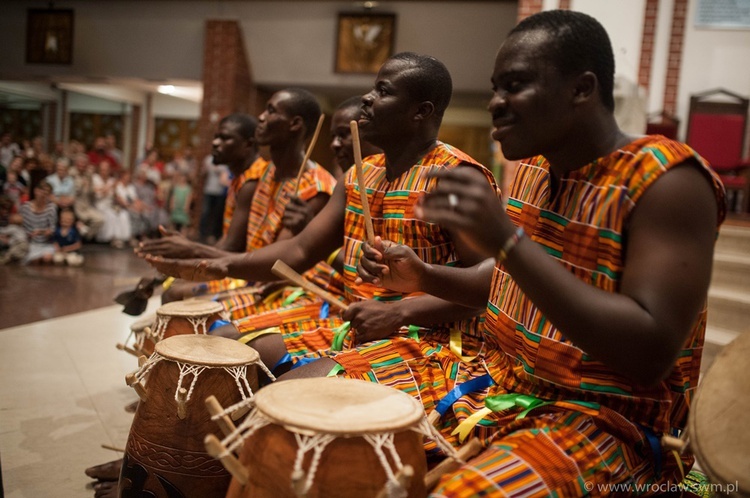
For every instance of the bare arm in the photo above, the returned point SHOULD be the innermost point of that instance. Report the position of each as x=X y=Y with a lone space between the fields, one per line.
x=324 y=234
x=638 y=331
x=235 y=239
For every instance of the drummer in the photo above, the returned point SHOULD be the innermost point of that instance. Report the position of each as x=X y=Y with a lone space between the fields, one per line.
x=292 y=303
x=402 y=116
x=597 y=313
x=288 y=121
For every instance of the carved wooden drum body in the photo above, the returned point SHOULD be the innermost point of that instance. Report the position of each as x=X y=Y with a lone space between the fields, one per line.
x=165 y=454
x=331 y=438
x=192 y=316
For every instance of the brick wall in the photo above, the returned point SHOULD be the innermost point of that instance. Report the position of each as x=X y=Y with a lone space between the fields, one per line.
x=676 y=38
x=528 y=7
x=647 y=43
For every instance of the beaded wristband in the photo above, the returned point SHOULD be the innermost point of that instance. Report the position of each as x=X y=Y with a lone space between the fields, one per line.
x=509 y=245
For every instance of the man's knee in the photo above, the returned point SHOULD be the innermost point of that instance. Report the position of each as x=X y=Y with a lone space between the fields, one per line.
x=229 y=331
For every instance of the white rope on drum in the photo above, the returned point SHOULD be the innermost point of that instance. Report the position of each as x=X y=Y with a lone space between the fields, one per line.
x=317 y=443
x=197 y=322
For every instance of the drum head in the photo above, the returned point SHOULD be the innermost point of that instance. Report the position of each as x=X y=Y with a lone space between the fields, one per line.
x=719 y=421
x=206 y=350
x=142 y=323
x=193 y=307
x=338 y=406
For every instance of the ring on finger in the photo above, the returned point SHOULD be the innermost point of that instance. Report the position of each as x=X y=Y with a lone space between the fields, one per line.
x=453 y=201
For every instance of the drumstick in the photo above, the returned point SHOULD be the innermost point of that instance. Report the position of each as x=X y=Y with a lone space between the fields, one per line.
x=113 y=448
x=233 y=466
x=361 y=182
x=283 y=270
x=452 y=463
x=403 y=477
x=223 y=421
x=309 y=151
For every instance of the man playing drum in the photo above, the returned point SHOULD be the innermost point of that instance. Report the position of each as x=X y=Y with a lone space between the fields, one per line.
x=597 y=314
x=401 y=115
x=285 y=125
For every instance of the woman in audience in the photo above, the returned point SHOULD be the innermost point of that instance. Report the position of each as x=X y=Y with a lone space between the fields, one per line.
x=116 y=228
x=40 y=220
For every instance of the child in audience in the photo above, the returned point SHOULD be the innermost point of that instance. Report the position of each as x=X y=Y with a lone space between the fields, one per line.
x=67 y=240
x=14 y=244
x=14 y=189
x=182 y=196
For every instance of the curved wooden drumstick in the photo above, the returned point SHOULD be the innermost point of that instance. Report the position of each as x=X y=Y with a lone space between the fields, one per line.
x=466 y=451
x=361 y=182
x=309 y=151
x=283 y=270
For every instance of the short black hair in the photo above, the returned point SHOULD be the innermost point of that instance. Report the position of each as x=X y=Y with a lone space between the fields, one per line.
x=302 y=103
x=580 y=44
x=247 y=124
x=355 y=101
x=427 y=80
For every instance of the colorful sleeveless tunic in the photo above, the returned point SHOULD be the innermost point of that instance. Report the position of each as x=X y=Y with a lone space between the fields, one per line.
x=264 y=224
x=392 y=209
x=600 y=427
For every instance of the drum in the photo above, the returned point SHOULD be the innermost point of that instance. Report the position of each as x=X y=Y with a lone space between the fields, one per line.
x=192 y=316
x=719 y=420
x=330 y=437
x=139 y=340
x=165 y=454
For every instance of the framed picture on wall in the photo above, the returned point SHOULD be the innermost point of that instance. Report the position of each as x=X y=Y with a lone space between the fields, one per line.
x=49 y=36
x=364 y=42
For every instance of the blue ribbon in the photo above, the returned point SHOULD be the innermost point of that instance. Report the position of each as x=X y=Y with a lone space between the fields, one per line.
x=284 y=359
x=471 y=386
x=655 y=442
x=325 y=310
x=217 y=324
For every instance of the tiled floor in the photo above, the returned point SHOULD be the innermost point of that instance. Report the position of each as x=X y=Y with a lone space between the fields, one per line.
x=63 y=393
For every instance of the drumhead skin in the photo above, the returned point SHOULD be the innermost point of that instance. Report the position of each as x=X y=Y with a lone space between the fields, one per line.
x=719 y=421
x=206 y=350
x=142 y=323
x=193 y=307
x=338 y=406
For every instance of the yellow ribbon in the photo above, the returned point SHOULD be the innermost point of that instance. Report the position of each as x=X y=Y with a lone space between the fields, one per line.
x=456 y=346
x=168 y=283
x=244 y=339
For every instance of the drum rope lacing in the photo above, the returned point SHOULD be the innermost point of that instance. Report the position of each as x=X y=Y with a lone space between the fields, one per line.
x=318 y=442
x=237 y=372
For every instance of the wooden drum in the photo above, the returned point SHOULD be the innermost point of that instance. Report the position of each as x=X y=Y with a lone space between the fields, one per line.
x=330 y=437
x=165 y=455
x=139 y=341
x=193 y=316
x=719 y=421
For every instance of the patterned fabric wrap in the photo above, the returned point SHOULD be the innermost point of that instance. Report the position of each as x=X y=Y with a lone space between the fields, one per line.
x=264 y=223
x=276 y=312
x=582 y=228
x=392 y=210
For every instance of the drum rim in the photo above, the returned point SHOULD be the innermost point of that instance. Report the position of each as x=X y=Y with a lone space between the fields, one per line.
x=264 y=404
x=142 y=323
x=166 y=349
x=173 y=308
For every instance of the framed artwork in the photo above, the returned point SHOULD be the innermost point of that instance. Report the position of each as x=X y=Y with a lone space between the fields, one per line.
x=364 y=42
x=49 y=36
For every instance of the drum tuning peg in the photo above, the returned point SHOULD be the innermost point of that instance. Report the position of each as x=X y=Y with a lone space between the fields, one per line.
x=219 y=451
x=240 y=412
x=141 y=360
x=673 y=443
x=132 y=380
x=123 y=347
x=216 y=410
x=182 y=403
x=433 y=417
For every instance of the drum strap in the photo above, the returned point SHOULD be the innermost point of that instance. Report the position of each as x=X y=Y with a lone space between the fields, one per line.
x=654 y=442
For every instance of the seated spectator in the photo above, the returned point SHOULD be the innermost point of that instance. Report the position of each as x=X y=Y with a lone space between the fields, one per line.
x=39 y=221
x=152 y=214
x=63 y=185
x=184 y=162
x=8 y=150
x=116 y=228
x=98 y=154
x=14 y=245
x=126 y=197
x=15 y=190
x=110 y=145
x=153 y=167
x=67 y=240
x=90 y=219
x=180 y=200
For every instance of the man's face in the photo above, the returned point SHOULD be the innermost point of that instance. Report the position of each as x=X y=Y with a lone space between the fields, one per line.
x=531 y=102
x=62 y=170
x=275 y=121
x=388 y=110
x=228 y=146
x=341 y=136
